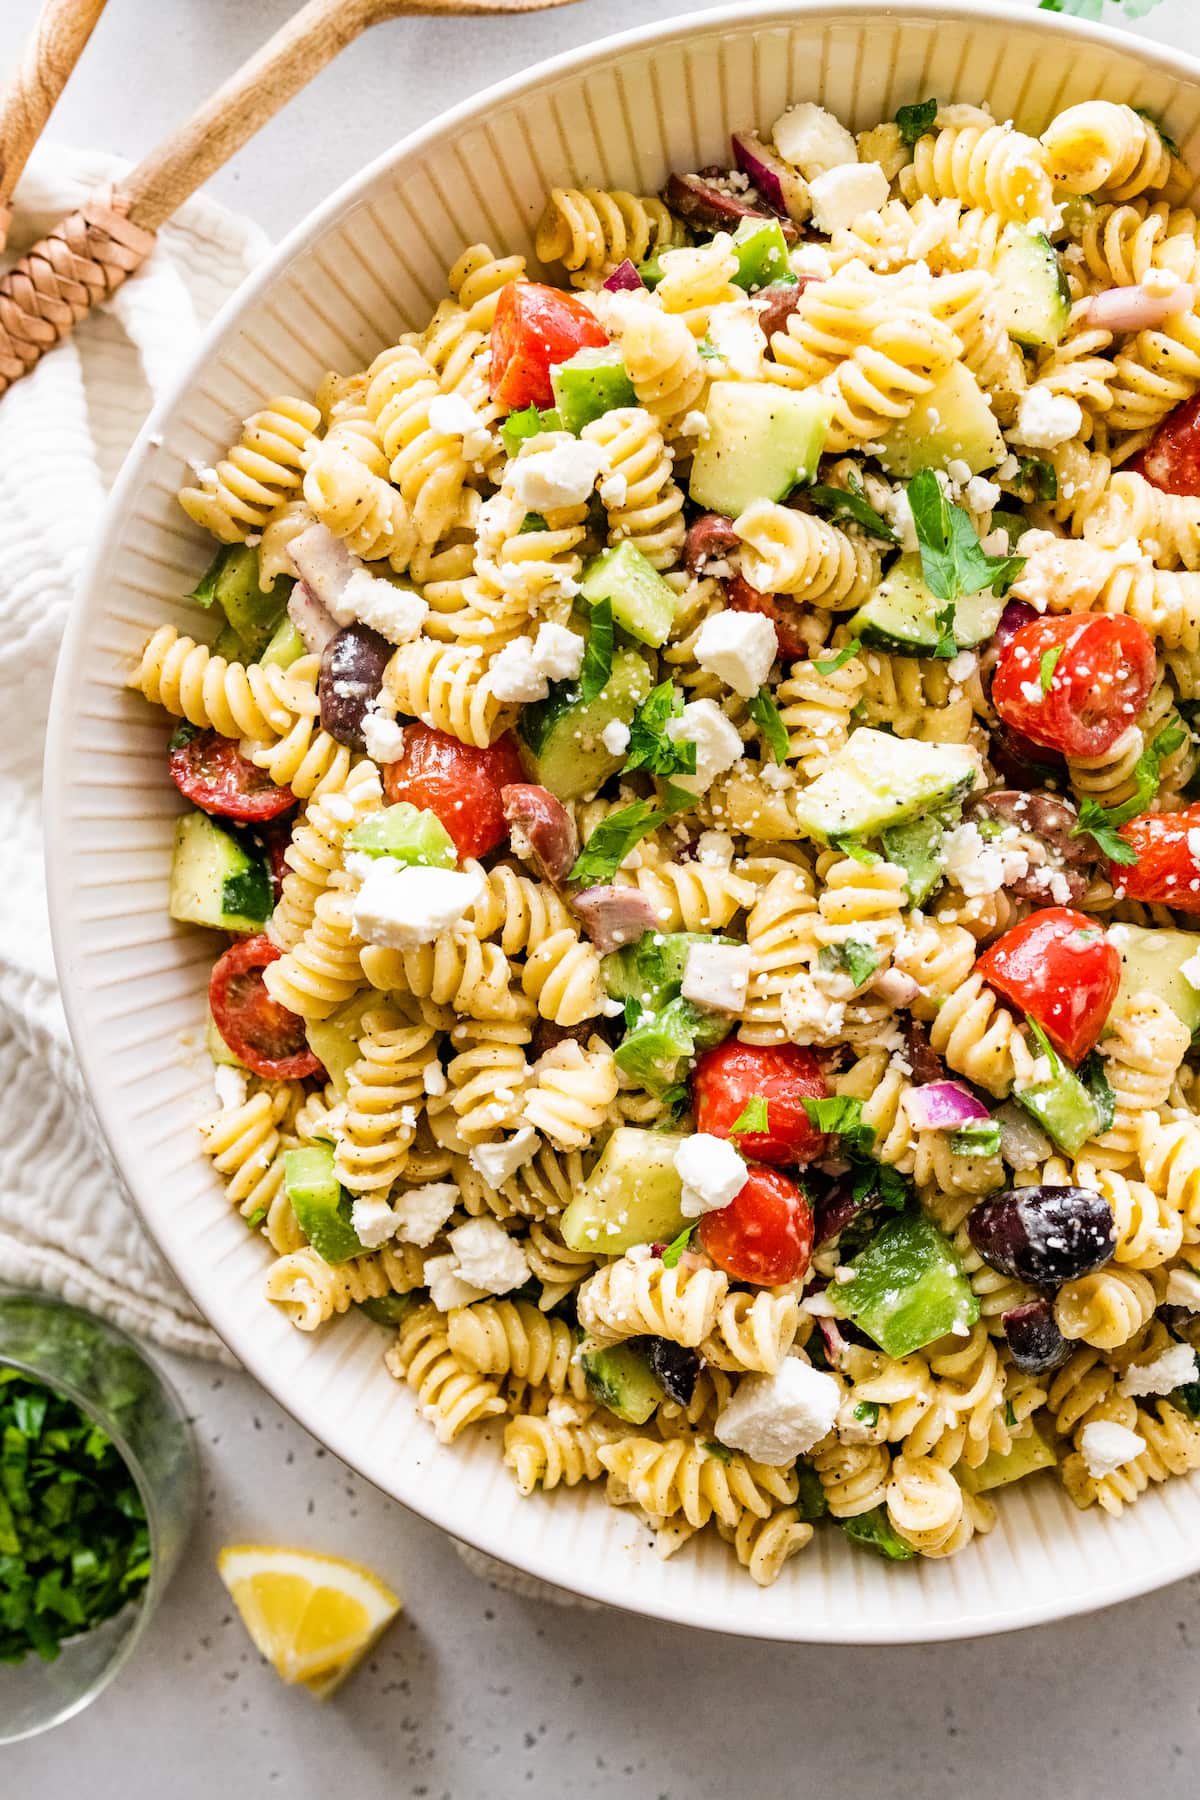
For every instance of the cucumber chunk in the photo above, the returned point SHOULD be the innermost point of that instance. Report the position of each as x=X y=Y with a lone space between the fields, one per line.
x=1062 y=1107
x=231 y=581
x=908 y=1287
x=916 y=847
x=655 y=1052
x=410 y=834
x=216 y=1046
x=620 y=1378
x=320 y=1203
x=1152 y=960
x=952 y=423
x=589 y=384
x=214 y=881
x=761 y=441
x=878 y=780
x=901 y=615
x=1026 y=1457
x=632 y=1196
x=1033 y=300
x=285 y=647
x=642 y=603
x=335 y=1040
x=762 y=253
x=651 y=971
x=387 y=1309
x=561 y=735
x=874 y=1531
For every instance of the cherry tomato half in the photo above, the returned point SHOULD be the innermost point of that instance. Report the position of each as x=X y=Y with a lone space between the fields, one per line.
x=264 y=1035
x=765 y=1234
x=1171 y=460
x=534 y=328
x=211 y=772
x=1057 y=966
x=1167 y=870
x=274 y=837
x=458 y=782
x=1098 y=685
x=784 y=1075
x=784 y=613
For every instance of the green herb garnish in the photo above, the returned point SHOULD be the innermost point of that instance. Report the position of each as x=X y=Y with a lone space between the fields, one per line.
x=840 y=1116
x=1039 y=477
x=843 y=503
x=721 y=1453
x=1047 y=666
x=858 y=958
x=520 y=426
x=830 y=665
x=752 y=1118
x=650 y=745
x=858 y=852
x=952 y=562
x=874 y=1531
x=613 y=839
x=916 y=120
x=676 y=1247
x=598 y=656
x=1102 y=822
x=765 y=714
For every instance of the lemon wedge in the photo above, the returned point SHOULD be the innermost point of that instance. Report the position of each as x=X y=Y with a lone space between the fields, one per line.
x=313 y=1617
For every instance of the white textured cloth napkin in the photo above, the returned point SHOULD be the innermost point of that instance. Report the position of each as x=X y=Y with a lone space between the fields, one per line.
x=66 y=1222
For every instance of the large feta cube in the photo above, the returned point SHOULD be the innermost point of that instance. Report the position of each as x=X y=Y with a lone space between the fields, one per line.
x=396 y=613
x=843 y=194
x=812 y=139
x=401 y=907
x=1045 y=420
x=373 y=1220
x=563 y=475
x=516 y=675
x=421 y=1212
x=739 y=648
x=497 y=1163
x=716 y=976
x=711 y=1171
x=447 y=1289
x=487 y=1257
x=718 y=745
x=776 y=1418
x=558 y=652
x=1106 y=1447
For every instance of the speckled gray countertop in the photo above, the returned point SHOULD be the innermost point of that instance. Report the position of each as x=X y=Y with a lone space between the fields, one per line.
x=476 y=1693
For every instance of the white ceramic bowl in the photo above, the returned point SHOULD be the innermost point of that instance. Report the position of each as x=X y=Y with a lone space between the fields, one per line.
x=370 y=263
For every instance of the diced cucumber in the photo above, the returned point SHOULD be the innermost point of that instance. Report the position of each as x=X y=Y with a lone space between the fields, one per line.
x=952 y=423
x=320 y=1203
x=651 y=971
x=908 y=1287
x=632 y=1196
x=216 y=1046
x=286 y=646
x=762 y=440
x=874 y=1531
x=651 y=272
x=231 y=580
x=1025 y=1457
x=214 y=881
x=901 y=615
x=1152 y=961
x=654 y=1053
x=1033 y=299
x=1062 y=1107
x=877 y=780
x=387 y=1309
x=916 y=847
x=642 y=603
x=229 y=645
x=591 y=383
x=621 y=1379
x=335 y=1039
x=762 y=253
x=410 y=834
x=562 y=734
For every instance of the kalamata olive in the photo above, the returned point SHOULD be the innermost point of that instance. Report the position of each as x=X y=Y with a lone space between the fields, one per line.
x=1051 y=822
x=781 y=300
x=675 y=1367
x=1036 y=1343
x=1024 y=764
x=352 y=665
x=924 y=1061
x=1045 y=1235
x=710 y=538
x=701 y=201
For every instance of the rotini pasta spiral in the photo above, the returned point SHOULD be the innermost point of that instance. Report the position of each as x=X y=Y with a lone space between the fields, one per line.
x=192 y=683
x=238 y=496
x=311 y=1291
x=989 y=166
x=794 y=553
x=683 y=1476
x=1100 y=147
x=451 y=1394
x=591 y=230
x=628 y=1298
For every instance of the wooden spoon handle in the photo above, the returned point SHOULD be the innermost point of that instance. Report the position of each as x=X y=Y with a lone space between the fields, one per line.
x=53 y=48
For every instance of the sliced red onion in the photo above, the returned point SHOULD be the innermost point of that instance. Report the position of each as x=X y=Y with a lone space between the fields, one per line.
x=1022 y=1144
x=324 y=564
x=942 y=1106
x=1016 y=614
x=623 y=277
x=835 y=1343
x=1134 y=309
x=315 y=625
x=778 y=183
x=540 y=828
x=614 y=916
x=704 y=204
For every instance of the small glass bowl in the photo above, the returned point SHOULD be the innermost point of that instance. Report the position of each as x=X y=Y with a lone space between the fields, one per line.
x=111 y=1379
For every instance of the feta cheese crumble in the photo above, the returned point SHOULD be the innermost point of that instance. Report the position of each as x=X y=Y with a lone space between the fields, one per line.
x=776 y=1418
x=447 y=1289
x=711 y=1171
x=396 y=613
x=373 y=1220
x=718 y=744
x=716 y=976
x=1183 y=1289
x=525 y=667
x=487 y=1257
x=1106 y=1447
x=812 y=139
x=497 y=1163
x=558 y=652
x=981 y=865
x=1174 y=1368
x=562 y=476
x=1045 y=420
x=615 y=737
x=843 y=194
x=421 y=1213
x=401 y=907
x=383 y=738
x=739 y=648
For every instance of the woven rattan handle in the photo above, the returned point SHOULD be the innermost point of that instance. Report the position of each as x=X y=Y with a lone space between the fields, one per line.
x=51 y=52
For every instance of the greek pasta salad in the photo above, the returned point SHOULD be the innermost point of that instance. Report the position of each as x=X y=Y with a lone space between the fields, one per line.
x=697 y=775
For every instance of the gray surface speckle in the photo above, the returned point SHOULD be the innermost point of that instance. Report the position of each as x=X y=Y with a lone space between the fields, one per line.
x=475 y=1692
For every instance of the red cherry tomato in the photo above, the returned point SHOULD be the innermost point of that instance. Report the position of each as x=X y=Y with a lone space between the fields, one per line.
x=266 y=1036
x=1171 y=460
x=534 y=328
x=765 y=1234
x=1167 y=870
x=784 y=613
x=459 y=783
x=1058 y=967
x=211 y=772
x=1099 y=684
x=783 y=1075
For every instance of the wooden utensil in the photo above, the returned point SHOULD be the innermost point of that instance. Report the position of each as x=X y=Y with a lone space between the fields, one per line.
x=89 y=255
x=53 y=49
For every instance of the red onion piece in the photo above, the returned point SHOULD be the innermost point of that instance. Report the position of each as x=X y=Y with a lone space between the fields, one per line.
x=710 y=538
x=835 y=1343
x=942 y=1106
x=894 y=986
x=1133 y=309
x=1017 y=613
x=314 y=623
x=323 y=563
x=1023 y=1145
x=778 y=183
x=613 y=916
x=624 y=276
x=541 y=828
